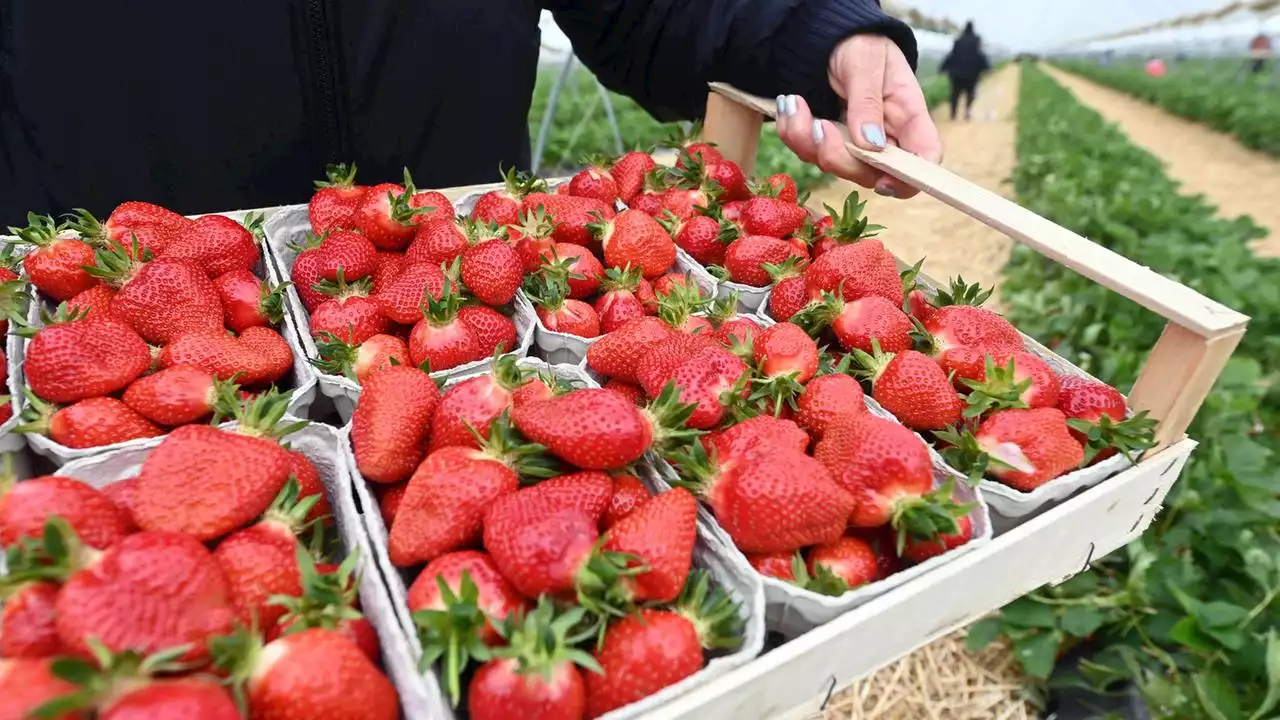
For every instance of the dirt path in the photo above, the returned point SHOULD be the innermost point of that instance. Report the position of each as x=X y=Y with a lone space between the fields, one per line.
x=1239 y=181
x=982 y=151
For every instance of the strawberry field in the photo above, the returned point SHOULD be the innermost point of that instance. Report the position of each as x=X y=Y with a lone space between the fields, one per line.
x=637 y=441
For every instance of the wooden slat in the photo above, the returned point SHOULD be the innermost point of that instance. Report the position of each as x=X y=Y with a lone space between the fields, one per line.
x=1178 y=375
x=735 y=133
x=1168 y=298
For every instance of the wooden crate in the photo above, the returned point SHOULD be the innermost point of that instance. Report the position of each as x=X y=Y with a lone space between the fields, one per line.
x=801 y=675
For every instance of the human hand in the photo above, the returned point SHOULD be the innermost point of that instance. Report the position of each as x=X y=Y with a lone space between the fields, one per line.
x=885 y=107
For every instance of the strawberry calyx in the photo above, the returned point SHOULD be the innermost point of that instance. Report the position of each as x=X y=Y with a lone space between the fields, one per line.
x=107 y=677
x=667 y=418
x=541 y=640
x=926 y=517
x=536 y=224
x=870 y=366
x=336 y=356
x=721 y=310
x=975 y=458
x=41 y=230
x=697 y=469
x=998 y=391
x=253 y=222
x=670 y=222
x=849 y=226
x=61 y=314
x=961 y=293
x=14 y=297
x=601 y=227
x=682 y=300
x=712 y=611
x=288 y=511
x=775 y=391
x=443 y=311
x=37 y=415
x=453 y=635
x=237 y=655
x=519 y=183
x=604 y=587
x=529 y=460
x=548 y=288
x=401 y=211
x=328 y=599
x=507 y=372
x=337 y=175
x=54 y=556
x=817 y=316
x=792 y=266
x=1128 y=437
x=271 y=302
x=340 y=289
x=311 y=241
x=624 y=279
x=823 y=580
x=259 y=415
x=116 y=264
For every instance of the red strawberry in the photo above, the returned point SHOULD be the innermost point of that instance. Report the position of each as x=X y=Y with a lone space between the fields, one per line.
x=122 y=493
x=631 y=392
x=56 y=265
x=786 y=351
x=335 y=199
x=532 y=238
x=670 y=282
x=559 y=313
x=659 y=535
x=161 y=299
x=249 y=302
x=746 y=257
x=633 y=239
x=402 y=299
x=618 y=353
x=660 y=360
x=493 y=331
x=683 y=202
x=305 y=275
x=391 y=423
x=470 y=406
x=349 y=252
x=580 y=262
x=315 y=673
x=502 y=207
x=25 y=508
x=249 y=473
x=151 y=591
x=918 y=304
x=651 y=204
x=859 y=323
x=778 y=565
x=856 y=271
x=27 y=684
x=1096 y=415
x=629 y=172
x=496 y=597
x=918 y=550
x=154 y=227
x=389 y=498
x=730 y=183
x=596 y=429
x=596 y=183
x=384 y=216
x=90 y=423
x=571 y=215
x=387 y=266
x=177 y=395
x=887 y=470
x=740 y=331
x=712 y=379
x=771 y=217
x=618 y=303
x=358 y=362
x=258 y=356
x=913 y=387
x=441 y=240
x=218 y=244
x=768 y=498
x=738 y=440
x=1023 y=449
x=428 y=205
x=960 y=336
x=628 y=493
x=535 y=675
x=782 y=186
x=260 y=561
x=588 y=491
x=849 y=561
x=194 y=697
x=788 y=295
x=72 y=359
x=827 y=400
x=441 y=338
x=352 y=316
x=704 y=238
x=94 y=303
x=1017 y=380
x=27 y=627
x=492 y=271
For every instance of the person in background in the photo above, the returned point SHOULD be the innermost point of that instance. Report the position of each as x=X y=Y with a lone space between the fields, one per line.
x=240 y=104
x=964 y=66
x=1155 y=67
x=1259 y=53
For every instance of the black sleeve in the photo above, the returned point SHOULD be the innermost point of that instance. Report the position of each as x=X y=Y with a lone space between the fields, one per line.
x=664 y=52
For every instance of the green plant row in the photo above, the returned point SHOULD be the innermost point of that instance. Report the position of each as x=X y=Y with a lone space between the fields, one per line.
x=1188 y=612
x=1248 y=108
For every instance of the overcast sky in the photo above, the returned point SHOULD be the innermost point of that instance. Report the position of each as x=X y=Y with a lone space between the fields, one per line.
x=1038 y=24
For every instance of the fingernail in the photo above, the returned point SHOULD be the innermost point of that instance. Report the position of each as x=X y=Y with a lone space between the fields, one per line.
x=782 y=106
x=886 y=191
x=873 y=134
x=791 y=104
x=817 y=131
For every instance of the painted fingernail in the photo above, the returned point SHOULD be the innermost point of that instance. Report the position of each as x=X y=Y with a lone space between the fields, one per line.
x=817 y=131
x=782 y=105
x=873 y=134
x=886 y=191
x=791 y=104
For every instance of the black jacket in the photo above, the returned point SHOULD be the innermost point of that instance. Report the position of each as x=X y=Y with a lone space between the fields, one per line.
x=208 y=106
x=966 y=61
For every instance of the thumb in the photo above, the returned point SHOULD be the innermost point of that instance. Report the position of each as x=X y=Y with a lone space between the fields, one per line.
x=864 y=91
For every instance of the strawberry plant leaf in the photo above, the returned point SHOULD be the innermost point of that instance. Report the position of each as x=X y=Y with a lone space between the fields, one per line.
x=983 y=633
x=1037 y=652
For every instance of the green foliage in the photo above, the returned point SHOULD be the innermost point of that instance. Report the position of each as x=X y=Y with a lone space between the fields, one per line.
x=1247 y=107
x=1187 y=612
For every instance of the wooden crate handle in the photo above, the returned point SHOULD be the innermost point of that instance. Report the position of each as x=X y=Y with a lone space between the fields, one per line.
x=1194 y=346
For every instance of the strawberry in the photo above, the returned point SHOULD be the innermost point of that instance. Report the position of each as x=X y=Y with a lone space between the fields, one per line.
x=618 y=353
x=439 y=241
x=858 y=323
x=629 y=172
x=661 y=359
x=387 y=266
x=841 y=566
x=727 y=180
x=781 y=186
x=218 y=244
x=628 y=493
x=532 y=238
x=768 y=498
x=401 y=300
x=679 y=303
x=683 y=202
x=595 y=182
x=739 y=439
x=428 y=205
x=249 y=473
x=535 y=676
x=788 y=294
x=843 y=227
x=960 y=336
x=503 y=206
x=633 y=239
x=391 y=423
x=149 y=592
x=918 y=550
x=571 y=215
x=389 y=498
x=257 y=357
x=27 y=627
x=305 y=275
x=492 y=271
x=94 y=303
x=711 y=379
x=651 y=204
x=556 y=311
x=618 y=304
x=90 y=423
x=659 y=535
x=352 y=316
x=856 y=271
x=746 y=257
x=587 y=491
x=779 y=565
x=315 y=673
x=161 y=299
x=1096 y=415
x=468 y=408
x=1021 y=448
x=449 y=492
x=358 y=362
x=177 y=395
x=704 y=238
x=153 y=226
x=738 y=332
x=248 y=301
x=913 y=387
x=786 y=357
x=56 y=266
x=122 y=493
x=384 y=216
x=73 y=358
x=28 y=684
x=631 y=392
x=584 y=270
x=440 y=338
x=346 y=251
x=493 y=331
x=334 y=201
x=918 y=305
x=771 y=217
x=1018 y=380
x=669 y=281
x=328 y=601
x=25 y=508
x=827 y=400
x=197 y=698
x=651 y=649
x=596 y=429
